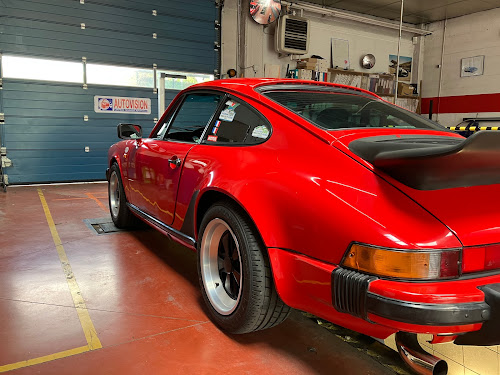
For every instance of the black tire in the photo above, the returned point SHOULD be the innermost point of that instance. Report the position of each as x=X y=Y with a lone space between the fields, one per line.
x=120 y=213
x=257 y=305
x=2 y=178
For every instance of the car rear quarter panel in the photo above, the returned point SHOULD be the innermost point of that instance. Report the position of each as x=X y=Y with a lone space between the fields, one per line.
x=306 y=196
x=471 y=212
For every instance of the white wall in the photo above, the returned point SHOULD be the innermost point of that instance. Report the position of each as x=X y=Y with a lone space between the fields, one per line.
x=259 y=42
x=229 y=41
x=467 y=36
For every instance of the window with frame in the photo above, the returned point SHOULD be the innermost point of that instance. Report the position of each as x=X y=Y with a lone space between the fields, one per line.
x=332 y=110
x=191 y=118
x=33 y=68
x=238 y=123
x=36 y=68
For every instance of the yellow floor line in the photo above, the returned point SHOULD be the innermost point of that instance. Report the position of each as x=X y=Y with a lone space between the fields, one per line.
x=81 y=309
x=47 y=358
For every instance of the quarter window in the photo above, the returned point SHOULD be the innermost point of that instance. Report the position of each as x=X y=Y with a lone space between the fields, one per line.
x=189 y=122
x=238 y=123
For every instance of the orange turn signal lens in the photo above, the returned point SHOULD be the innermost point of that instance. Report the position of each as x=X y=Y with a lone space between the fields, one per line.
x=404 y=264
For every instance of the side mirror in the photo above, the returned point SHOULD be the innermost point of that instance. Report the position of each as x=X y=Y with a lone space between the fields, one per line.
x=129 y=131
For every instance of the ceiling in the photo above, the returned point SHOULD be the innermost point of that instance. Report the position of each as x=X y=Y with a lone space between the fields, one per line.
x=415 y=11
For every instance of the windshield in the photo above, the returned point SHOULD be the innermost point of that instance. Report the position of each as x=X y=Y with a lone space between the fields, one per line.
x=339 y=110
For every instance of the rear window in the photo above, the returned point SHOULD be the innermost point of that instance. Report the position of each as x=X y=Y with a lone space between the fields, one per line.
x=334 y=110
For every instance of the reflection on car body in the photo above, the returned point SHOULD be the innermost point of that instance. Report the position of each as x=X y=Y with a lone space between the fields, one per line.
x=322 y=198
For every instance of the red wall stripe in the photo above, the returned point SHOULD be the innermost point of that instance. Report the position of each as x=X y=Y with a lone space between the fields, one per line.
x=463 y=104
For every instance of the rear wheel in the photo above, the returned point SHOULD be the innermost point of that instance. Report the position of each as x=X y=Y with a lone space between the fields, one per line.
x=235 y=274
x=120 y=213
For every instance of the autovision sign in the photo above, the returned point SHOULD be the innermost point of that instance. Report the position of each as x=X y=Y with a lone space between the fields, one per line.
x=119 y=104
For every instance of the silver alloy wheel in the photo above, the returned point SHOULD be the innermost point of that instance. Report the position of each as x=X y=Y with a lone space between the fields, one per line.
x=114 y=194
x=221 y=267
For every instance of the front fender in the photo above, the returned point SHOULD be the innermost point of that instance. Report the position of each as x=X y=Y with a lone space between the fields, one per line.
x=117 y=153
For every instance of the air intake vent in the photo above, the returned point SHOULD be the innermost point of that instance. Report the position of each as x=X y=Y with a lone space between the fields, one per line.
x=292 y=35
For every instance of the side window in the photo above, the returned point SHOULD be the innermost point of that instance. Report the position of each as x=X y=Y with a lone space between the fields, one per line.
x=190 y=120
x=238 y=123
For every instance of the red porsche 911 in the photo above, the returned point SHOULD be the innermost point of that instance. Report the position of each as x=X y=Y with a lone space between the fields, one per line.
x=323 y=198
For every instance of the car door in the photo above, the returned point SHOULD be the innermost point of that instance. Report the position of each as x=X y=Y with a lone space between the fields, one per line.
x=159 y=160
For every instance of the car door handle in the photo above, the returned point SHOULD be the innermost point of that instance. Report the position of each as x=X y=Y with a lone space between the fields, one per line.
x=174 y=162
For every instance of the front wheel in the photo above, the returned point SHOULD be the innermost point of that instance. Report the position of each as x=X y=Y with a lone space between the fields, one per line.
x=235 y=274
x=120 y=213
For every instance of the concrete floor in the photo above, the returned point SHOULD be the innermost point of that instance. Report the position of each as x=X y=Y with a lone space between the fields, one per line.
x=138 y=306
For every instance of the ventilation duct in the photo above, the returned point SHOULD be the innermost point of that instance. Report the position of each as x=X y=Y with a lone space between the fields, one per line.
x=292 y=35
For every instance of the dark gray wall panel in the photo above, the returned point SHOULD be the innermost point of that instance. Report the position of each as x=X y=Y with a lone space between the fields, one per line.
x=118 y=32
x=46 y=134
x=76 y=50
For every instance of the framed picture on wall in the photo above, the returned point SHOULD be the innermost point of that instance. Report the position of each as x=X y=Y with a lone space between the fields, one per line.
x=405 y=64
x=472 y=66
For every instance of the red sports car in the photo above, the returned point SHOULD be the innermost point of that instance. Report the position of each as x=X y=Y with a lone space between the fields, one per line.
x=323 y=198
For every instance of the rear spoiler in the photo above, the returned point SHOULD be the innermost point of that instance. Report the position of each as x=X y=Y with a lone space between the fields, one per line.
x=429 y=162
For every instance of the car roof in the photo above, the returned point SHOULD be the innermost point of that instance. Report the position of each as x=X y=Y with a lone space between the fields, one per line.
x=250 y=86
x=253 y=88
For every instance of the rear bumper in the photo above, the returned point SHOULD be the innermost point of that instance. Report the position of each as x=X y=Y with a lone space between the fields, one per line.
x=477 y=321
x=489 y=332
x=469 y=308
x=426 y=313
x=351 y=294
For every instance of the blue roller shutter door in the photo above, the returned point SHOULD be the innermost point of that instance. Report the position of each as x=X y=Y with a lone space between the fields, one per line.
x=49 y=124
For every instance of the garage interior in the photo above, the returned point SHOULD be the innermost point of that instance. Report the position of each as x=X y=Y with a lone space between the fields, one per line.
x=79 y=295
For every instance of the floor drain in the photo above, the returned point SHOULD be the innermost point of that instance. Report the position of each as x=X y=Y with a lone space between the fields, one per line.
x=98 y=228
x=102 y=225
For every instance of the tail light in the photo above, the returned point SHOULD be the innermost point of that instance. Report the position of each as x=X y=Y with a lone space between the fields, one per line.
x=481 y=258
x=404 y=264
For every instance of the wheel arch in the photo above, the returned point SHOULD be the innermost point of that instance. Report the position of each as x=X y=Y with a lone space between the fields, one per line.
x=116 y=160
x=209 y=197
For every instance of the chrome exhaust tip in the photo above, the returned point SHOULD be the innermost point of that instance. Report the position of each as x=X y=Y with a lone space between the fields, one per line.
x=417 y=358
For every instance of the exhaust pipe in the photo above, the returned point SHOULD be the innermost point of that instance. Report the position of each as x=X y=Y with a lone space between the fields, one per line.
x=417 y=358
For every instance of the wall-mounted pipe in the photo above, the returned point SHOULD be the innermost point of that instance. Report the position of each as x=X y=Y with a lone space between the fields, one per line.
x=441 y=68
x=417 y=358
x=399 y=51
x=353 y=17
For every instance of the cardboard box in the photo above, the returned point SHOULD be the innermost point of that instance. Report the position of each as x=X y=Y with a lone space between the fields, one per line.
x=319 y=65
x=306 y=65
x=405 y=89
x=310 y=60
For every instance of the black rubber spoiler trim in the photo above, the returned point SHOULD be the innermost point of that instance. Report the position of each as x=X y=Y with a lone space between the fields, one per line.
x=429 y=162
